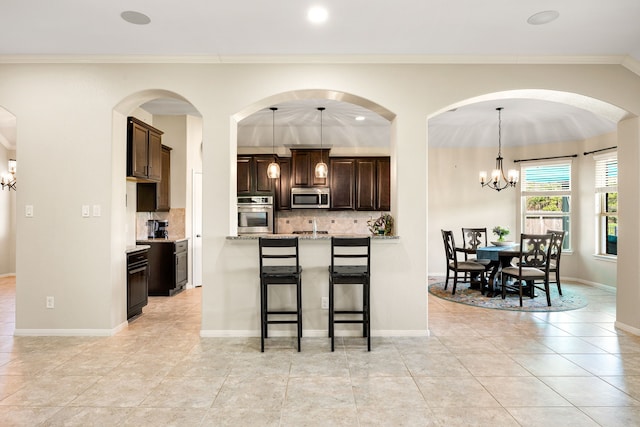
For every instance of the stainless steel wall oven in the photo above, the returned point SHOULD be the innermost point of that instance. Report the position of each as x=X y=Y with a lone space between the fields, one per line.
x=255 y=214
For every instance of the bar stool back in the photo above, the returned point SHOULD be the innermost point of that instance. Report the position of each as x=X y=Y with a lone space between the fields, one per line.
x=279 y=265
x=350 y=265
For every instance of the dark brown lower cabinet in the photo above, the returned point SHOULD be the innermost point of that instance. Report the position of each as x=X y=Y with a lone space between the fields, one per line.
x=137 y=282
x=168 y=273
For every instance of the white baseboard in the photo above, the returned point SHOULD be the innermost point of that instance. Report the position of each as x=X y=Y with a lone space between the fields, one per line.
x=70 y=332
x=7 y=274
x=627 y=328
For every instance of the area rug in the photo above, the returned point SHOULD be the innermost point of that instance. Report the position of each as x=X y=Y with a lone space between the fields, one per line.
x=570 y=300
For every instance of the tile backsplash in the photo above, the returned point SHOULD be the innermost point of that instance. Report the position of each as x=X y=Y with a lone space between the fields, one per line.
x=176 y=218
x=334 y=222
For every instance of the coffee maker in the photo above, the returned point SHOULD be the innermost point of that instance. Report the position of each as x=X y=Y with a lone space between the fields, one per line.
x=157 y=229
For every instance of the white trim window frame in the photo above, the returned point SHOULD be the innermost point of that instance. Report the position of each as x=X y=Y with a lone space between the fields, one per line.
x=606 y=194
x=545 y=190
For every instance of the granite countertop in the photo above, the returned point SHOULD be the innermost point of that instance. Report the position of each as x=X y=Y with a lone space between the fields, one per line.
x=169 y=240
x=309 y=236
x=136 y=248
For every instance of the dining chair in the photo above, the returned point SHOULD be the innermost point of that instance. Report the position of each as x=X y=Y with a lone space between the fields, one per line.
x=350 y=265
x=279 y=265
x=532 y=266
x=456 y=266
x=472 y=239
x=556 y=250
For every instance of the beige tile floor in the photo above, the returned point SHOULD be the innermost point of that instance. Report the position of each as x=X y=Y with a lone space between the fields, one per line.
x=479 y=367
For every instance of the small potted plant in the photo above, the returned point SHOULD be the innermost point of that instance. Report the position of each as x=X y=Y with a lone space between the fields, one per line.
x=381 y=226
x=500 y=232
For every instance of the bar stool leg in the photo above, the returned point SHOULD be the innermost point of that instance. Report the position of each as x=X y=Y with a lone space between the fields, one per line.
x=299 y=298
x=263 y=315
x=331 y=331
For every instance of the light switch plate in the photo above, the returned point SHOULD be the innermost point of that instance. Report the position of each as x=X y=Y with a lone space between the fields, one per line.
x=28 y=211
x=96 y=210
x=85 y=211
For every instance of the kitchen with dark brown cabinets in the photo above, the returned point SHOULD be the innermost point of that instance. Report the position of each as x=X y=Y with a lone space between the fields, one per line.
x=359 y=189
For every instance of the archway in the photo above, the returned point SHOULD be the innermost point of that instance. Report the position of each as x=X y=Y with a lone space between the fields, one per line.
x=182 y=126
x=560 y=123
x=299 y=126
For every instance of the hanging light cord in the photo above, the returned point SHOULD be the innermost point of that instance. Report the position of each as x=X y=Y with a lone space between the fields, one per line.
x=273 y=127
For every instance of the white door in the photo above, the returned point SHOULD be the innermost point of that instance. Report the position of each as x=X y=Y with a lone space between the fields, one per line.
x=196 y=238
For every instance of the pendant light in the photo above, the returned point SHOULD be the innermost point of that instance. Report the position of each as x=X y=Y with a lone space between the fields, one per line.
x=499 y=181
x=273 y=170
x=321 y=168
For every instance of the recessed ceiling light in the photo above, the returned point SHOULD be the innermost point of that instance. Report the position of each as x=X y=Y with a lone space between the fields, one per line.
x=360 y=118
x=134 y=17
x=543 y=17
x=317 y=14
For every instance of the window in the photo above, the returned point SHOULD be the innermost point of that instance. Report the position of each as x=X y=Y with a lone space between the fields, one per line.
x=607 y=204
x=546 y=198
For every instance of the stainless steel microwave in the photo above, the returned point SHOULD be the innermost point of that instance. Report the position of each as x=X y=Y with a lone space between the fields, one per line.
x=310 y=198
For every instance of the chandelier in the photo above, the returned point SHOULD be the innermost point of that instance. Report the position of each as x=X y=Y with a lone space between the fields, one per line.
x=273 y=170
x=499 y=181
x=9 y=179
x=321 y=167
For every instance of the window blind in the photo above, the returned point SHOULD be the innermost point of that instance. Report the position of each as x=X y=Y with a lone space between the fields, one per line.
x=607 y=173
x=555 y=177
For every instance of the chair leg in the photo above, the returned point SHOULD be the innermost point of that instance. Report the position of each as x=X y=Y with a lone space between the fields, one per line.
x=299 y=297
x=520 y=289
x=455 y=282
x=367 y=315
x=263 y=315
x=558 y=282
x=331 y=331
x=503 y=283
x=546 y=289
x=446 y=280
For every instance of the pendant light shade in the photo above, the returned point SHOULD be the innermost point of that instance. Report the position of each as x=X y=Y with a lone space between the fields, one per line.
x=321 y=167
x=273 y=169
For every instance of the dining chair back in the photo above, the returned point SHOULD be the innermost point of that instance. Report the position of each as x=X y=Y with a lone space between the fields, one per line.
x=556 y=251
x=456 y=266
x=532 y=266
x=350 y=265
x=279 y=265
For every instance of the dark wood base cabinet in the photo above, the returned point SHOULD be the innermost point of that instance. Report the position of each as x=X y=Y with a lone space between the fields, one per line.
x=168 y=273
x=137 y=282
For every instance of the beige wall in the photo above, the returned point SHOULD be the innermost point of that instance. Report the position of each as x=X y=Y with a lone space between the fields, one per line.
x=89 y=287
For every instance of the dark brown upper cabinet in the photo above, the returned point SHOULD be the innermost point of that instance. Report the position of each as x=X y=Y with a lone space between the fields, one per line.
x=283 y=185
x=342 y=183
x=156 y=196
x=373 y=184
x=304 y=165
x=252 y=175
x=144 y=151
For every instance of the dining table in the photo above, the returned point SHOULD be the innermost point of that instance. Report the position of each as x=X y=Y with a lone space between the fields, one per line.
x=499 y=257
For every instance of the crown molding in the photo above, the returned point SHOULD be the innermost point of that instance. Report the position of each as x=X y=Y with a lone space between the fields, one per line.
x=319 y=59
x=631 y=64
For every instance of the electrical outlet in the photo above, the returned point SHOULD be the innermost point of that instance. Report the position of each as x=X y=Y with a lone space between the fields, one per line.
x=325 y=303
x=50 y=302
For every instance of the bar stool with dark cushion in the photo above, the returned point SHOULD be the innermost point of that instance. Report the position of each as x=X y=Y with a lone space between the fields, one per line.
x=350 y=265
x=279 y=265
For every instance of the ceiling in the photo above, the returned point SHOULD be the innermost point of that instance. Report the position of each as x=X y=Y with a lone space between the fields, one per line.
x=428 y=31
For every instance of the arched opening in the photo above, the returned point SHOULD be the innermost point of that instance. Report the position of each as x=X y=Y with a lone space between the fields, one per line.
x=540 y=125
x=7 y=218
x=351 y=126
x=181 y=124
